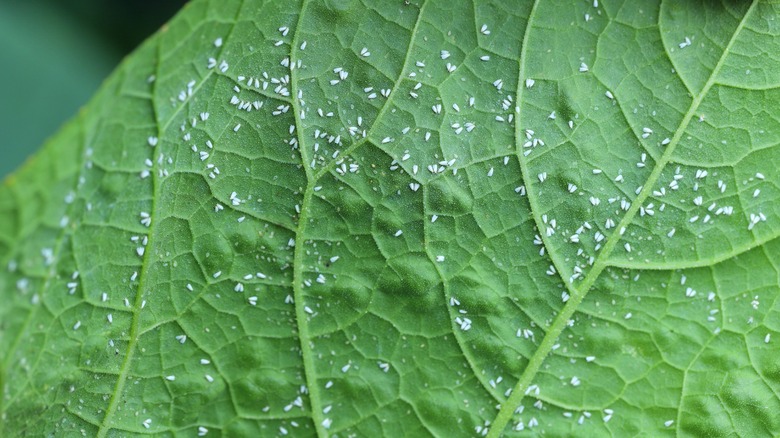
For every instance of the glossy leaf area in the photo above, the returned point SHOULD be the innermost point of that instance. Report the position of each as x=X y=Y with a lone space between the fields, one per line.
x=374 y=218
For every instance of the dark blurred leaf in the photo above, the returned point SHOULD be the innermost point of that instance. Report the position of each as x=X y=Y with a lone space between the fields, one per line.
x=51 y=66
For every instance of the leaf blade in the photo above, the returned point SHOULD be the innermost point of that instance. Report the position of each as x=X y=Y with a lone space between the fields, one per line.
x=244 y=262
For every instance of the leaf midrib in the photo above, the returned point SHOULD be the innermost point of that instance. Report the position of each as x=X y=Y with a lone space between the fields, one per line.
x=601 y=262
x=146 y=263
x=313 y=177
x=124 y=369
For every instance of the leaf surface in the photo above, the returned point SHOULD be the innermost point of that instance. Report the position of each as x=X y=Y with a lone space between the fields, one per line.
x=346 y=218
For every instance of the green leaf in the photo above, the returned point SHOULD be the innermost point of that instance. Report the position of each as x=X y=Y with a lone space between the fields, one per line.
x=292 y=218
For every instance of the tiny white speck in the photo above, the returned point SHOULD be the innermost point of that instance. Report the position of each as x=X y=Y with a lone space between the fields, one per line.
x=218 y=42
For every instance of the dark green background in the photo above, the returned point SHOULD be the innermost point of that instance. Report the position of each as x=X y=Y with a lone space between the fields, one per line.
x=54 y=55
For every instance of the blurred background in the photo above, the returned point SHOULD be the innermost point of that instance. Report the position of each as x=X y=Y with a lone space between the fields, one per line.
x=54 y=54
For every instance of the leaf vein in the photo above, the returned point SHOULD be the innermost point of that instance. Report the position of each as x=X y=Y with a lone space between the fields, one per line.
x=601 y=263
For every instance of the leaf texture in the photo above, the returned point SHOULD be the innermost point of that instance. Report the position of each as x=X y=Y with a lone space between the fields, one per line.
x=369 y=218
